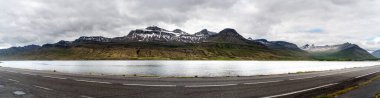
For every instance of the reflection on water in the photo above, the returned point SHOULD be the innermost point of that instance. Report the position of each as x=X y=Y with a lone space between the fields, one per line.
x=184 y=68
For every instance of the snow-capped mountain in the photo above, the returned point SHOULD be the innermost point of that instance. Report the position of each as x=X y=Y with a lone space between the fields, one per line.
x=346 y=51
x=179 y=32
x=205 y=33
x=92 y=39
x=156 y=34
x=327 y=48
x=153 y=34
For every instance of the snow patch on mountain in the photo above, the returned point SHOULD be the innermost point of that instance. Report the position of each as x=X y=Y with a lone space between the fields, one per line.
x=205 y=33
x=154 y=34
x=93 y=39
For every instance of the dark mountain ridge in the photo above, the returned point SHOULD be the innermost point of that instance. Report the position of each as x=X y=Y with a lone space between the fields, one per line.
x=227 y=35
x=278 y=44
x=15 y=50
x=158 y=43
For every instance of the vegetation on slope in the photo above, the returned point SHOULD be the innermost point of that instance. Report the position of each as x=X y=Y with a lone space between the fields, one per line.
x=174 y=51
x=345 y=55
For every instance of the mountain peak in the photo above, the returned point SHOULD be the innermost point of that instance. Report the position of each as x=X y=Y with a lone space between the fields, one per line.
x=329 y=48
x=262 y=40
x=348 y=45
x=155 y=28
x=305 y=46
x=179 y=31
x=228 y=35
x=204 y=30
x=92 y=39
x=229 y=31
x=346 y=51
x=63 y=43
x=283 y=45
x=204 y=33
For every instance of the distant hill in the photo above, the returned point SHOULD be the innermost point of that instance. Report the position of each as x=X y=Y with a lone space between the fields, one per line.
x=346 y=51
x=376 y=53
x=278 y=45
x=16 y=50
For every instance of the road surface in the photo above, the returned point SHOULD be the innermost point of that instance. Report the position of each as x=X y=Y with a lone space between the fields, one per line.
x=56 y=85
x=367 y=91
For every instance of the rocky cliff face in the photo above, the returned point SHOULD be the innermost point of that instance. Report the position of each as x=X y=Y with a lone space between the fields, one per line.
x=156 y=34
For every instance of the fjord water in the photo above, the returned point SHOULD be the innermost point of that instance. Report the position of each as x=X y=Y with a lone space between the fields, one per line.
x=185 y=68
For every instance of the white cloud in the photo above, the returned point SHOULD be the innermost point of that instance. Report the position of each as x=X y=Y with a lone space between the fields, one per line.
x=25 y=22
x=377 y=40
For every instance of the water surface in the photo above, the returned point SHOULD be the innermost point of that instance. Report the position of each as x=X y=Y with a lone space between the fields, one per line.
x=186 y=68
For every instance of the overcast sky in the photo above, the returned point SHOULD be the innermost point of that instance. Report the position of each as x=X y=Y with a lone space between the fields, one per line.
x=319 y=22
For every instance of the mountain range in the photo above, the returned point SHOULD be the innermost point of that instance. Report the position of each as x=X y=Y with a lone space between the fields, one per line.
x=157 y=43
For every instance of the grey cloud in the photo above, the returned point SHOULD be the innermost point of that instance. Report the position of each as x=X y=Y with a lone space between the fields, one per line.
x=25 y=22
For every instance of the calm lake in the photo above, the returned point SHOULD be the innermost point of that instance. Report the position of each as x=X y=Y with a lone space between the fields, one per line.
x=185 y=68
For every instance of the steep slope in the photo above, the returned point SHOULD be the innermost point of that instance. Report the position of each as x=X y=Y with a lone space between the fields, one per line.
x=346 y=51
x=227 y=36
x=281 y=45
x=150 y=50
x=205 y=33
x=376 y=53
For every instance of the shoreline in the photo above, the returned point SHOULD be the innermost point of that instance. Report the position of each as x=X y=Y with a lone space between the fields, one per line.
x=100 y=75
x=146 y=74
x=165 y=60
x=178 y=60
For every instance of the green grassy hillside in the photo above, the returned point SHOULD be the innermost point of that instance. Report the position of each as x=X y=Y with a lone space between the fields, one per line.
x=347 y=55
x=173 y=51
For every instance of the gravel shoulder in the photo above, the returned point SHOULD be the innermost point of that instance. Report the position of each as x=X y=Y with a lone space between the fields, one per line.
x=367 y=91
